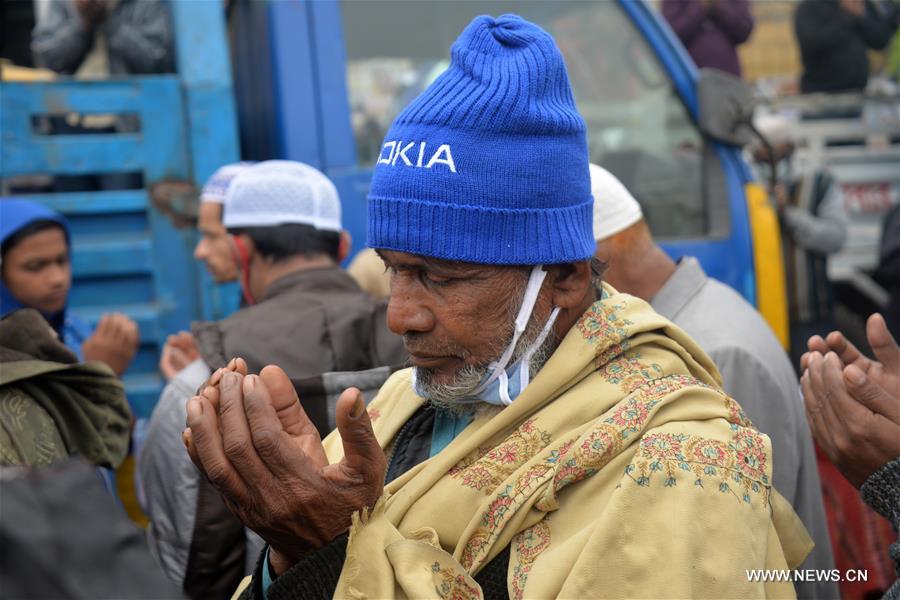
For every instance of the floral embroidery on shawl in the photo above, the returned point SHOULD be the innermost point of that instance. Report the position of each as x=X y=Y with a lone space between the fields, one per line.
x=453 y=585
x=737 y=465
x=573 y=461
x=528 y=544
x=629 y=372
x=601 y=326
x=491 y=465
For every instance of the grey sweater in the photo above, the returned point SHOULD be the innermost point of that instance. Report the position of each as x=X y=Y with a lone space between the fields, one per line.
x=881 y=491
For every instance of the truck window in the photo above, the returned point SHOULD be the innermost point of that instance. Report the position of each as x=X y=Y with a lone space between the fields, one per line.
x=638 y=127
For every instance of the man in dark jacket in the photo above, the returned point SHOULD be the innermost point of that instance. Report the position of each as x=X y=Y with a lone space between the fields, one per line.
x=303 y=311
x=711 y=30
x=834 y=38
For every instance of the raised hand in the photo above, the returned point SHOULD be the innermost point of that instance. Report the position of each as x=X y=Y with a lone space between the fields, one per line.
x=251 y=438
x=852 y=402
x=179 y=351
x=884 y=370
x=114 y=342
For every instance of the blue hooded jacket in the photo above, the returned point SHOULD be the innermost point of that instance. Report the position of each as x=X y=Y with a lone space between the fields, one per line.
x=15 y=214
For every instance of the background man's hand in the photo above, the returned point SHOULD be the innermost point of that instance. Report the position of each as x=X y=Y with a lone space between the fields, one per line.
x=251 y=438
x=884 y=370
x=853 y=403
x=92 y=12
x=114 y=342
x=179 y=351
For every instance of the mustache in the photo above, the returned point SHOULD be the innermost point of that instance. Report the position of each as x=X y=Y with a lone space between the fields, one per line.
x=415 y=343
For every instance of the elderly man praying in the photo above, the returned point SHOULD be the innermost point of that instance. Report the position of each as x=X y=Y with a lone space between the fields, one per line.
x=552 y=438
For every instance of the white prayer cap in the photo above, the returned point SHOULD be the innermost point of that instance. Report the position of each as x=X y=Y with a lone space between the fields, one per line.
x=773 y=127
x=217 y=185
x=276 y=192
x=615 y=209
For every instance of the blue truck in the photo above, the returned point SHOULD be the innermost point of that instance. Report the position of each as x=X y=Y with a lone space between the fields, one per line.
x=320 y=82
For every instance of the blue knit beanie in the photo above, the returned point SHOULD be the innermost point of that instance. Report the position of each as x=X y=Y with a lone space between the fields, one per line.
x=490 y=163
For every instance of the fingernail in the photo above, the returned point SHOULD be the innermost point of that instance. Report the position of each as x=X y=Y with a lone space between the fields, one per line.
x=249 y=383
x=358 y=408
x=856 y=376
x=228 y=380
x=194 y=409
x=232 y=363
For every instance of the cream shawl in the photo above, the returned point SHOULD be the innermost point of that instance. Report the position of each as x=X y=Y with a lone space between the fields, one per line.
x=623 y=470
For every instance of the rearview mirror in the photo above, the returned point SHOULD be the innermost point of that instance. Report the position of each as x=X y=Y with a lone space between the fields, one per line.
x=726 y=107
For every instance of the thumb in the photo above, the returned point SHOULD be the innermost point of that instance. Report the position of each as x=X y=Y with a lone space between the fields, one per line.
x=883 y=344
x=871 y=395
x=362 y=452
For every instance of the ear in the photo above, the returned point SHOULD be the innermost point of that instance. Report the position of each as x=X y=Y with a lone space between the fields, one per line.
x=571 y=283
x=345 y=245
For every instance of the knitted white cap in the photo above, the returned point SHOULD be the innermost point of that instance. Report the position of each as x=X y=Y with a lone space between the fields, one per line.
x=615 y=208
x=217 y=184
x=276 y=192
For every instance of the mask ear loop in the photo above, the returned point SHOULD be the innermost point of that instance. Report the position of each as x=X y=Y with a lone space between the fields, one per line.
x=244 y=261
x=525 y=372
x=498 y=369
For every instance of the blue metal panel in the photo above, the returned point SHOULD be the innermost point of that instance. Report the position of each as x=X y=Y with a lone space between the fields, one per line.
x=126 y=256
x=295 y=82
x=205 y=70
x=338 y=146
x=73 y=154
x=61 y=97
x=88 y=203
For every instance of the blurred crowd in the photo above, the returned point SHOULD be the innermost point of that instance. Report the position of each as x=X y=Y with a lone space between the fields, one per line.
x=510 y=383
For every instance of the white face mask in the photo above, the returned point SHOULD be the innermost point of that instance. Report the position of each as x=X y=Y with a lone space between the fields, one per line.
x=502 y=383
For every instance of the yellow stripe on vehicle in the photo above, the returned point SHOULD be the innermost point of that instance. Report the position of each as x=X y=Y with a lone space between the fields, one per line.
x=768 y=262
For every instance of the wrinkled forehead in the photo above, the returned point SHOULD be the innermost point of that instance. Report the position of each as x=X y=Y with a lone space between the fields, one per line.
x=401 y=260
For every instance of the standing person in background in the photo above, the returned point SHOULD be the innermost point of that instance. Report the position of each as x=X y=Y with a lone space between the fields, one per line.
x=96 y=39
x=37 y=273
x=99 y=38
x=810 y=207
x=755 y=369
x=834 y=38
x=711 y=30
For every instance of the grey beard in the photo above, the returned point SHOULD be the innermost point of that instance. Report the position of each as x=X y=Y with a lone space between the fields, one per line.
x=449 y=396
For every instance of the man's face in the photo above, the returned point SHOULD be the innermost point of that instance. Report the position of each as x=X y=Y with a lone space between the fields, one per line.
x=455 y=318
x=214 y=248
x=37 y=271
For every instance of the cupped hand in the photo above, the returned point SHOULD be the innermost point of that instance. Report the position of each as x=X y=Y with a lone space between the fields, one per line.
x=256 y=445
x=179 y=351
x=852 y=402
x=114 y=342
